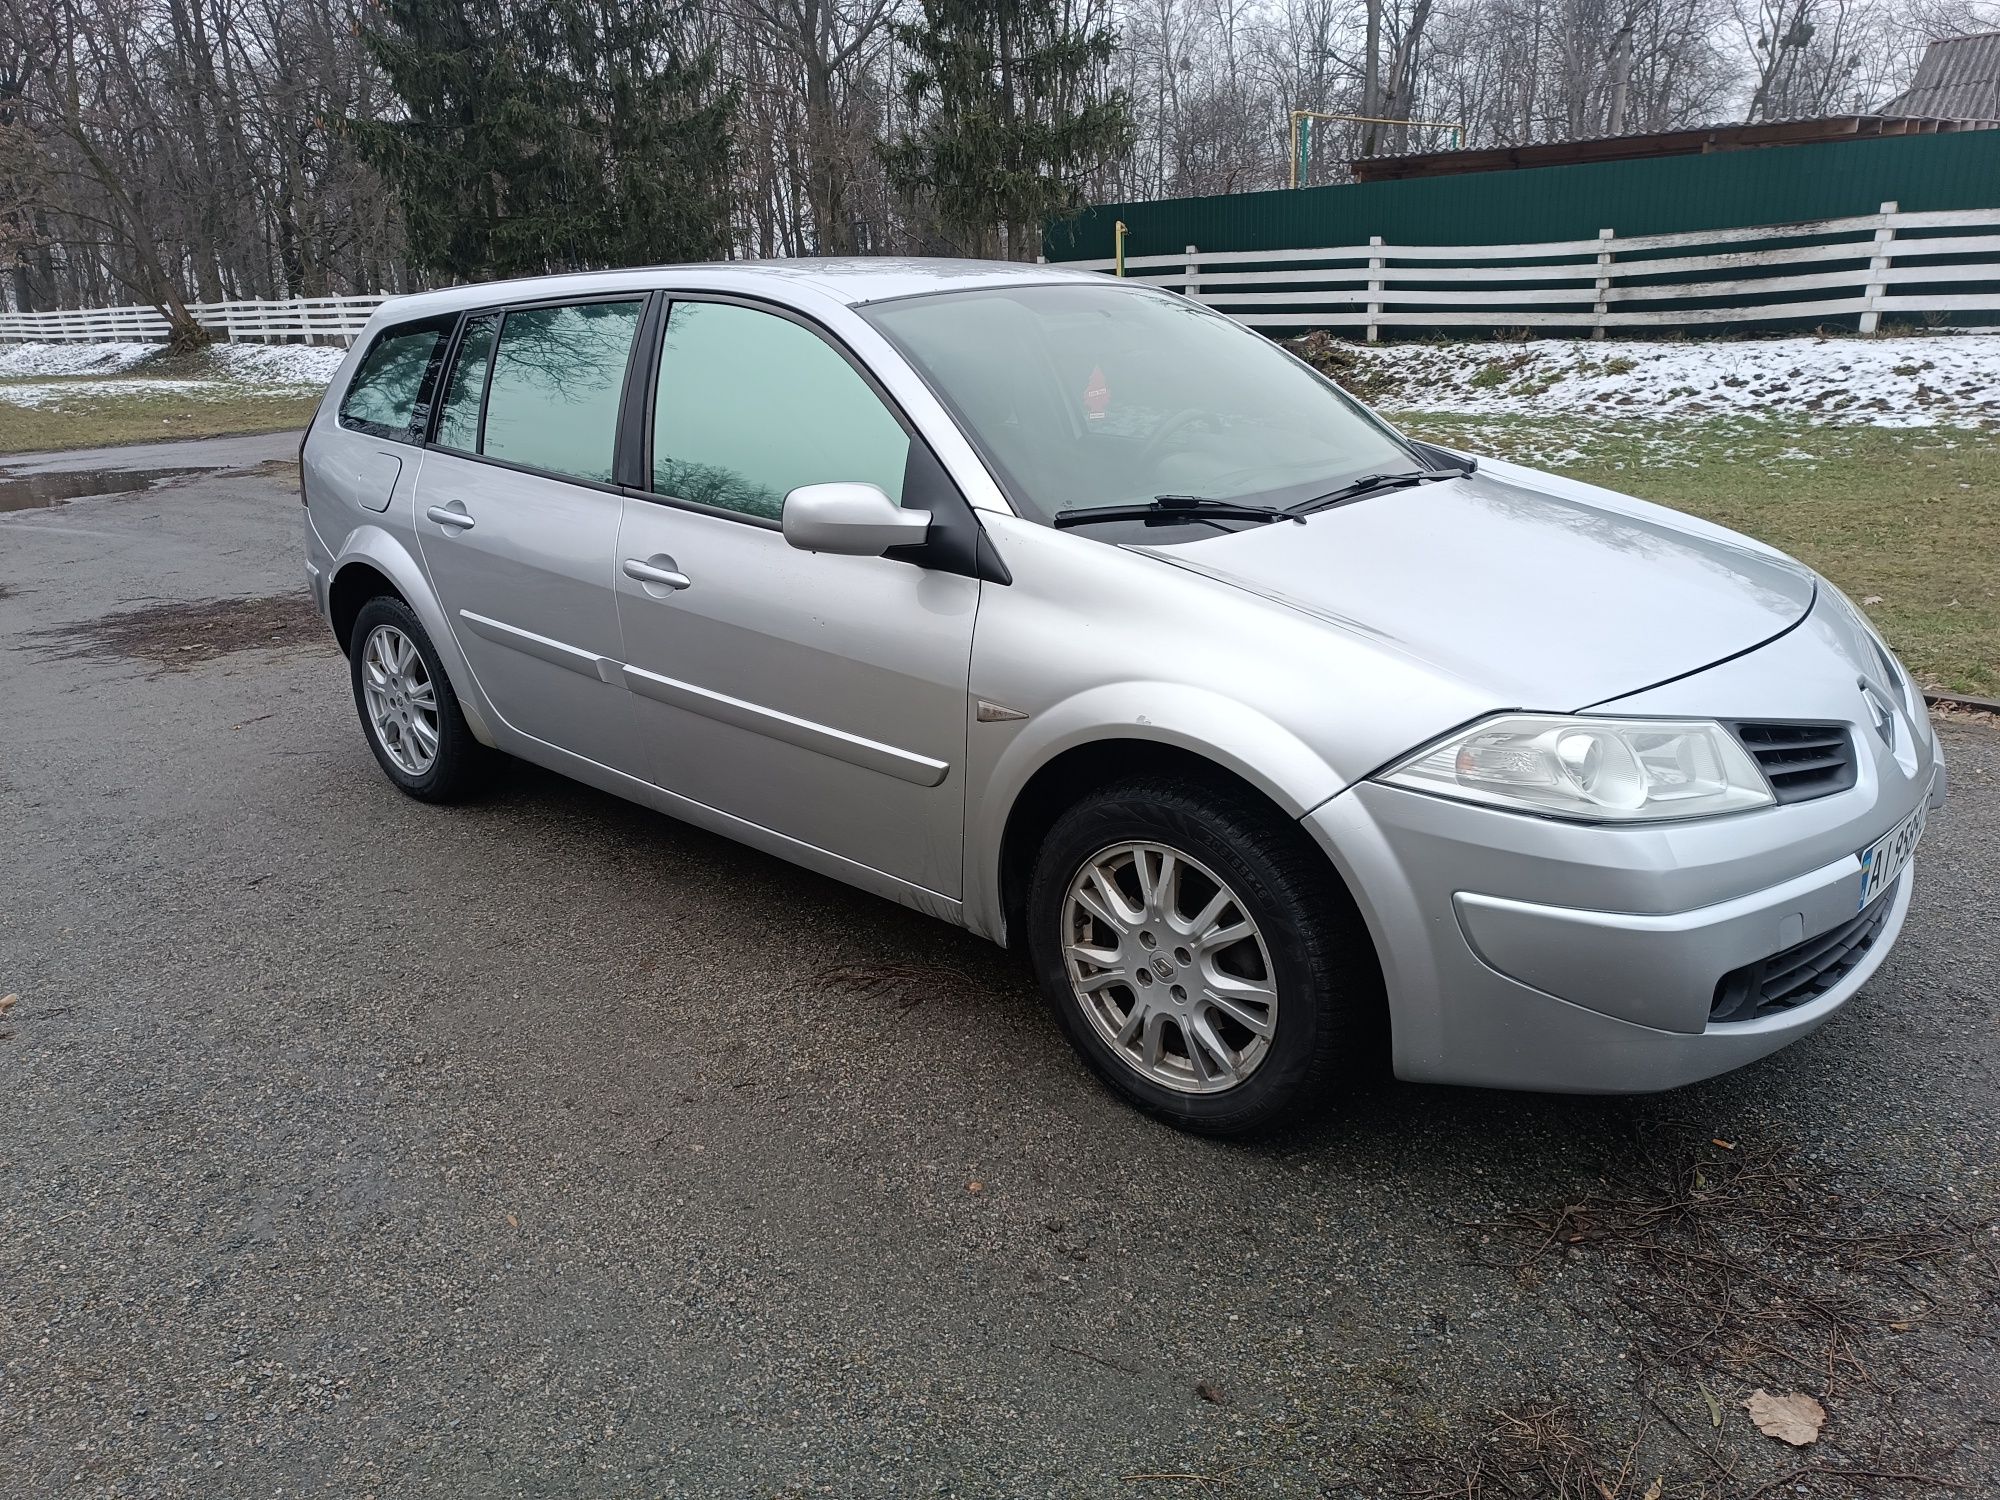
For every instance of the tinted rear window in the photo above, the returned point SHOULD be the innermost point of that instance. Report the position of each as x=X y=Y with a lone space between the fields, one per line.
x=383 y=397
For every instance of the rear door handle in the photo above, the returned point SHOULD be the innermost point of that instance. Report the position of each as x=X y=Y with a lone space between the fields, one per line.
x=444 y=515
x=646 y=572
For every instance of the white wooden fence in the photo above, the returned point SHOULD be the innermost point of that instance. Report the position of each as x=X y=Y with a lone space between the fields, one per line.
x=1868 y=267
x=298 y=319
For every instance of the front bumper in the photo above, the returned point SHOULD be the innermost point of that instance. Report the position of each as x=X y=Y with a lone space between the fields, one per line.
x=1521 y=952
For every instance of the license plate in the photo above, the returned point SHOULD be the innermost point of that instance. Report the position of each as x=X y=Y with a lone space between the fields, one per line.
x=1885 y=859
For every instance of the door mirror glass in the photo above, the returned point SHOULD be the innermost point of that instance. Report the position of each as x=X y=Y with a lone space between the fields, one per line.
x=855 y=520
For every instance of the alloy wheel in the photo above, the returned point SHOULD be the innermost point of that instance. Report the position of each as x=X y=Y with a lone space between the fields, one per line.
x=1169 y=967
x=401 y=699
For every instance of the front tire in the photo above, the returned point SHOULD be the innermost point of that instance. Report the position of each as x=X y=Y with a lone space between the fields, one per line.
x=408 y=711
x=1201 y=954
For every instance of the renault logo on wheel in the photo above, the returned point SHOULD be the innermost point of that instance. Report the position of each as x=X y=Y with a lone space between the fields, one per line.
x=1162 y=968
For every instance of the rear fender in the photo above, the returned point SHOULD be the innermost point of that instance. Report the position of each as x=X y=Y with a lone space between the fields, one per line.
x=379 y=549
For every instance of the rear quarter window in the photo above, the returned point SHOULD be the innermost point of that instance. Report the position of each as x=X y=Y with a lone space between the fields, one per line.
x=388 y=385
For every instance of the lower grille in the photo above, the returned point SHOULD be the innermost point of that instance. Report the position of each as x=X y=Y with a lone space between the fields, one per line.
x=1804 y=971
x=1801 y=761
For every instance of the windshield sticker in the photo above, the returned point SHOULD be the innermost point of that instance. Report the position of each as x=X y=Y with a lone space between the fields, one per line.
x=1096 y=395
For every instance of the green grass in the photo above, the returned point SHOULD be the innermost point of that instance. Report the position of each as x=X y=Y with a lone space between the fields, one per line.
x=1907 y=522
x=88 y=420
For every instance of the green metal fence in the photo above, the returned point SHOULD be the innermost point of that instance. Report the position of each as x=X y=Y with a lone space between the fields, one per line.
x=1659 y=195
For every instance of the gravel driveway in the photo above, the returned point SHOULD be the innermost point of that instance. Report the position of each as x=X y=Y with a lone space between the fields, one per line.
x=549 y=1147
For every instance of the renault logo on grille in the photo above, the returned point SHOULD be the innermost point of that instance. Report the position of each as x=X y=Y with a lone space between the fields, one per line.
x=1880 y=712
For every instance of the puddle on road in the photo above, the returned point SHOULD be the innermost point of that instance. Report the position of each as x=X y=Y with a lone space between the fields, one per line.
x=37 y=491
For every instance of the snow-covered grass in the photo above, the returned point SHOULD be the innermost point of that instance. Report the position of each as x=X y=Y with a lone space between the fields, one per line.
x=276 y=364
x=101 y=371
x=1908 y=381
x=40 y=361
x=83 y=395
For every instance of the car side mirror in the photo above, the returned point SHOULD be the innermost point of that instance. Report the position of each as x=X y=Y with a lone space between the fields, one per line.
x=854 y=520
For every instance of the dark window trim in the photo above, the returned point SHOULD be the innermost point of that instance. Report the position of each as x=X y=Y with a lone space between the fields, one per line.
x=644 y=297
x=458 y=335
x=422 y=410
x=957 y=543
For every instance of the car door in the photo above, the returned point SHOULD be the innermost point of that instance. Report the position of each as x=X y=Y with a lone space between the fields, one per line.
x=517 y=517
x=819 y=696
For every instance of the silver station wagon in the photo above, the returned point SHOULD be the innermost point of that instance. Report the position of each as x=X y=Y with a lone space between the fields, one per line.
x=1068 y=611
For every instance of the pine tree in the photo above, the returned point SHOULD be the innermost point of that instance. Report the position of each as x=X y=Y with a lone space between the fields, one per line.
x=1013 y=114
x=555 y=136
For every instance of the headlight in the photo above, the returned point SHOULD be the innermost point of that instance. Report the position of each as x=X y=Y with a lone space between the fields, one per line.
x=1594 y=770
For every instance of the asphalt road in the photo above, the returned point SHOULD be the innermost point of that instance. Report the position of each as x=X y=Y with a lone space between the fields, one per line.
x=548 y=1147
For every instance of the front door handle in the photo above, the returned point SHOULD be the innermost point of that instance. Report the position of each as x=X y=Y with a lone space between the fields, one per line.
x=660 y=577
x=444 y=515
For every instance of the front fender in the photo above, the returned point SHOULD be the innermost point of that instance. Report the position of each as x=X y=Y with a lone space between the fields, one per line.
x=379 y=549
x=1003 y=757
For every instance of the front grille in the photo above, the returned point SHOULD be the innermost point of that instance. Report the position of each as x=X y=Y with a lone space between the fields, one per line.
x=1804 y=971
x=1802 y=761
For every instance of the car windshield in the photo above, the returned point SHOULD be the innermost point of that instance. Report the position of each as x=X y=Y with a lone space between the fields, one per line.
x=1084 y=396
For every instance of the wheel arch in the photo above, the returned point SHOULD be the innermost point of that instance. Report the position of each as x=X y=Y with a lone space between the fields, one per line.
x=372 y=563
x=353 y=586
x=1113 y=733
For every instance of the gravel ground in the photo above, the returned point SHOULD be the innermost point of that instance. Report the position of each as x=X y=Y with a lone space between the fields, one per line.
x=549 y=1147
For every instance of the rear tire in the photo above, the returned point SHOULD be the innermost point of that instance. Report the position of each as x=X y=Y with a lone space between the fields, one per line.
x=1202 y=955
x=408 y=711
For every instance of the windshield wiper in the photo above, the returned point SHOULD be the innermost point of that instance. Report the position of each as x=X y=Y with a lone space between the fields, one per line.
x=1175 y=510
x=1368 y=484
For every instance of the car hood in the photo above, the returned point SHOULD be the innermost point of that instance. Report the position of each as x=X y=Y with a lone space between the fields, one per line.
x=1544 y=593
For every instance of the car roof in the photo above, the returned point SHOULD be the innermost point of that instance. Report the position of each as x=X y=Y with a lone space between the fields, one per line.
x=851 y=281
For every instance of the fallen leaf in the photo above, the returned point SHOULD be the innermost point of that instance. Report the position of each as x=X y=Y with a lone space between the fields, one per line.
x=975 y=1186
x=1656 y=1489
x=8 y=1002
x=1212 y=1394
x=1871 y=598
x=1902 y=1327
x=1714 y=1406
x=1725 y=1145
x=513 y=1222
x=1794 y=1419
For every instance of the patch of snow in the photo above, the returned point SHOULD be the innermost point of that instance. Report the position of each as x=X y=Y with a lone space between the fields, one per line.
x=40 y=361
x=1894 y=382
x=276 y=364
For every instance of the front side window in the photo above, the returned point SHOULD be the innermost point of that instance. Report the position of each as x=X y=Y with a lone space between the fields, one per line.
x=558 y=376
x=1086 y=395
x=383 y=396
x=751 y=406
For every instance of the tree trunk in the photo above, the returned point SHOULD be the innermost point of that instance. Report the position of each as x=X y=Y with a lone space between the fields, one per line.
x=1371 y=79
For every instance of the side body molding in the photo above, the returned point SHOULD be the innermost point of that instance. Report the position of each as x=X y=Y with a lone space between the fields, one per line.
x=543 y=648
x=871 y=755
